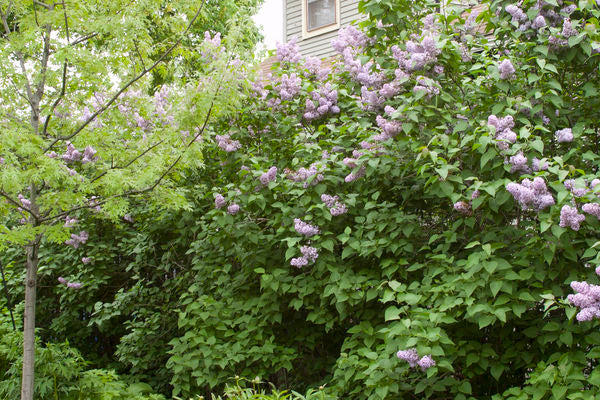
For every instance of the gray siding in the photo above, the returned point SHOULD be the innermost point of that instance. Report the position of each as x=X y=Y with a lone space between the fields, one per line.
x=316 y=46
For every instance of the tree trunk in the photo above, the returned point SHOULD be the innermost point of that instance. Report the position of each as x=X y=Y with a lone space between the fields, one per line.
x=29 y=321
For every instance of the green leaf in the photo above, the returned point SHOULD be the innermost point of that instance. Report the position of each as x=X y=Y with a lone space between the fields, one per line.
x=392 y=313
x=495 y=287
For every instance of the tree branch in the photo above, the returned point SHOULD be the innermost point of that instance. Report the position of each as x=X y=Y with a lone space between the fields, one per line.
x=18 y=205
x=128 y=84
x=129 y=163
x=57 y=101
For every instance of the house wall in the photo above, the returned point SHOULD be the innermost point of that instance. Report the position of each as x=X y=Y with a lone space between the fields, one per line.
x=316 y=46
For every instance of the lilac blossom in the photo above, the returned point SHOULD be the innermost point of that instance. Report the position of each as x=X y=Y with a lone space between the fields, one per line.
x=314 y=66
x=410 y=356
x=504 y=133
x=288 y=52
x=519 y=163
x=128 y=218
x=72 y=154
x=220 y=201
x=304 y=228
x=24 y=201
x=506 y=69
x=74 y=285
x=226 y=143
x=537 y=165
x=326 y=102
x=86 y=260
x=360 y=72
x=304 y=174
x=89 y=155
x=427 y=85
x=351 y=177
x=417 y=54
x=462 y=207
x=349 y=36
x=370 y=99
x=52 y=154
x=268 y=176
x=587 y=297
x=516 y=13
x=62 y=280
x=576 y=191
x=564 y=135
x=426 y=362
x=233 y=209
x=567 y=29
x=538 y=22
x=570 y=217
x=77 y=240
x=475 y=194
x=592 y=209
x=299 y=262
x=389 y=128
x=531 y=194
x=69 y=222
x=336 y=207
x=310 y=253
x=288 y=86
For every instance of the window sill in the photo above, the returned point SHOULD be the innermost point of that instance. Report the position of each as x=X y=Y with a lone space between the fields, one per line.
x=320 y=31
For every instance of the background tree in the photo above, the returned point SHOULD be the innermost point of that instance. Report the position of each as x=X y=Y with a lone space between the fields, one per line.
x=77 y=131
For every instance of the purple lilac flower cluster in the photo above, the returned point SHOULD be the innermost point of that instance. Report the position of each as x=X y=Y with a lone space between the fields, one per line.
x=220 y=201
x=412 y=358
x=226 y=143
x=564 y=135
x=70 y=285
x=326 y=98
x=304 y=174
x=288 y=52
x=309 y=254
x=427 y=85
x=506 y=69
x=417 y=54
x=519 y=163
x=463 y=207
x=72 y=154
x=570 y=185
x=336 y=207
x=531 y=194
x=288 y=86
x=570 y=217
x=587 y=297
x=504 y=133
x=86 y=260
x=304 y=228
x=268 y=176
x=349 y=36
x=77 y=240
x=314 y=67
x=69 y=222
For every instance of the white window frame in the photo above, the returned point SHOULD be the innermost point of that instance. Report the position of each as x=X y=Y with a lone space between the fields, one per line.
x=319 y=31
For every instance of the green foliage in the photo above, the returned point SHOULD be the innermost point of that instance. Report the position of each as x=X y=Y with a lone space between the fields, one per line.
x=61 y=373
x=187 y=298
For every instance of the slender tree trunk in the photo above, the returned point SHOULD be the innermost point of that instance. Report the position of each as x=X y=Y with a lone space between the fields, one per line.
x=29 y=321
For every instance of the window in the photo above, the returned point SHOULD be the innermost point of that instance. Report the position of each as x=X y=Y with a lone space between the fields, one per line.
x=320 y=16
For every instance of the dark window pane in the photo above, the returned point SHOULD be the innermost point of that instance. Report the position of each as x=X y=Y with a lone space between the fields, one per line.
x=320 y=13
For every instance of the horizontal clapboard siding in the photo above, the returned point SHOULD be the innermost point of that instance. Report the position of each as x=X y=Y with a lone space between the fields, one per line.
x=316 y=46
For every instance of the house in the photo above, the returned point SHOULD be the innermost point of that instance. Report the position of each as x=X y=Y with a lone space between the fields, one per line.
x=315 y=23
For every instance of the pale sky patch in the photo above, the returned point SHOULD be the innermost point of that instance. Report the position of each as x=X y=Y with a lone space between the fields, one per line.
x=270 y=19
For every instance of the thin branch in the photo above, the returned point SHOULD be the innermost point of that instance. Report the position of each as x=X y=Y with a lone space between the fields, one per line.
x=39 y=3
x=129 y=163
x=139 y=54
x=57 y=101
x=17 y=204
x=84 y=38
x=128 y=84
x=66 y=21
